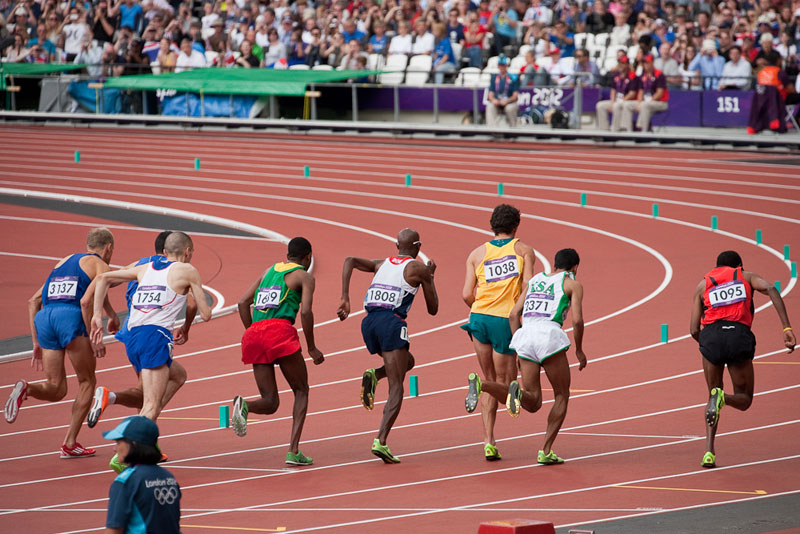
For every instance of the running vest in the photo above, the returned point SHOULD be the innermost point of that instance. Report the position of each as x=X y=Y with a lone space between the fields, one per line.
x=132 y=285
x=545 y=299
x=499 y=277
x=389 y=289
x=273 y=298
x=154 y=302
x=67 y=283
x=728 y=297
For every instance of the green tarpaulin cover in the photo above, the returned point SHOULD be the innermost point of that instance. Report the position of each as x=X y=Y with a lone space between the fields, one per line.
x=32 y=69
x=236 y=81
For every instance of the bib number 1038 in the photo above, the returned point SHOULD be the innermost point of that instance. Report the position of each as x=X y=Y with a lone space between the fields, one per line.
x=501 y=268
x=268 y=298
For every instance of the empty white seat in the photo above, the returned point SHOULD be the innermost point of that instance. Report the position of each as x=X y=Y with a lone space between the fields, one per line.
x=375 y=62
x=396 y=62
x=417 y=75
x=391 y=78
x=469 y=77
x=516 y=64
x=601 y=39
x=421 y=62
x=580 y=40
x=545 y=62
x=299 y=66
x=524 y=49
x=322 y=67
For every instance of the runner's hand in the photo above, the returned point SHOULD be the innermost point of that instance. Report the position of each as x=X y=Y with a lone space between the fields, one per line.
x=99 y=351
x=180 y=335
x=432 y=266
x=316 y=356
x=344 y=309
x=581 y=359
x=789 y=340
x=96 y=335
x=113 y=324
x=36 y=359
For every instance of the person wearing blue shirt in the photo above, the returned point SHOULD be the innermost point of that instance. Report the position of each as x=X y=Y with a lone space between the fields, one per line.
x=443 y=60
x=130 y=14
x=144 y=498
x=562 y=40
x=350 y=32
x=378 y=43
x=710 y=64
x=504 y=26
x=503 y=95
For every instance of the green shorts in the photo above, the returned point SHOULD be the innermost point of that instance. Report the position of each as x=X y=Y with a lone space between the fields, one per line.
x=490 y=330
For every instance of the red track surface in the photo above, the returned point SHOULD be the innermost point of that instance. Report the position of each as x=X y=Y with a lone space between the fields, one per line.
x=635 y=417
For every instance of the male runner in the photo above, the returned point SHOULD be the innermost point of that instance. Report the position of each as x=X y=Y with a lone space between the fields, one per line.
x=540 y=342
x=133 y=397
x=496 y=272
x=271 y=338
x=394 y=286
x=723 y=304
x=160 y=296
x=59 y=326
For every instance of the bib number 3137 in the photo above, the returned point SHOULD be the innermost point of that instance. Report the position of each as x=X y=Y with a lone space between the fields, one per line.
x=62 y=287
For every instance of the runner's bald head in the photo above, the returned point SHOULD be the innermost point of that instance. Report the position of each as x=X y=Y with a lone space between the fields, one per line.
x=177 y=244
x=408 y=242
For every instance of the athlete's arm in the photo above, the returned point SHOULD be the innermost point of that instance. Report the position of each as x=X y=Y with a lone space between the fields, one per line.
x=423 y=275
x=307 y=315
x=192 y=277
x=697 y=310
x=102 y=282
x=470 y=280
x=181 y=335
x=34 y=305
x=350 y=263
x=528 y=259
x=574 y=289
x=514 y=317
x=246 y=301
x=764 y=287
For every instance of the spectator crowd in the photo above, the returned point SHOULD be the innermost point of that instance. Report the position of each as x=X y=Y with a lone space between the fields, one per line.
x=693 y=44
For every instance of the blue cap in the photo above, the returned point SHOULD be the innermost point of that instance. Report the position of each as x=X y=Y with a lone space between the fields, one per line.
x=135 y=428
x=502 y=60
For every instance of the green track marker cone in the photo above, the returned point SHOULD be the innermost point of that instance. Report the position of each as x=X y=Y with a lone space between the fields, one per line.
x=224 y=416
x=413 y=385
x=664 y=333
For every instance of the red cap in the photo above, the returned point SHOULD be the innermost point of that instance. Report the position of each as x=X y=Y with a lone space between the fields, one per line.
x=555 y=50
x=648 y=58
x=624 y=59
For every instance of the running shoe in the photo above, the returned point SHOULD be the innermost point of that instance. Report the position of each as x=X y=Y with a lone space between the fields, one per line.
x=514 y=399
x=491 y=453
x=714 y=406
x=18 y=394
x=76 y=451
x=298 y=459
x=164 y=457
x=471 y=402
x=549 y=459
x=117 y=466
x=239 y=419
x=368 y=383
x=709 y=460
x=383 y=452
x=99 y=403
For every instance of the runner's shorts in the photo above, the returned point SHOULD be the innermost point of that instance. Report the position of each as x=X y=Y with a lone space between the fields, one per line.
x=383 y=331
x=490 y=330
x=57 y=325
x=538 y=340
x=148 y=346
x=266 y=341
x=727 y=343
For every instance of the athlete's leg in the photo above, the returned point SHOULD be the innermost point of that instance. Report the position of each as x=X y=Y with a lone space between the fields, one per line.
x=499 y=368
x=396 y=363
x=175 y=379
x=294 y=370
x=83 y=361
x=131 y=397
x=743 y=379
x=54 y=388
x=713 y=374
x=556 y=368
x=531 y=391
x=380 y=372
x=264 y=374
x=154 y=385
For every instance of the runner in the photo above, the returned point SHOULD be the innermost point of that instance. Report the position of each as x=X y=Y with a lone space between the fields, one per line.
x=723 y=305
x=496 y=272
x=387 y=302
x=540 y=342
x=271 y=338
x=59 y=326
x=133 y=397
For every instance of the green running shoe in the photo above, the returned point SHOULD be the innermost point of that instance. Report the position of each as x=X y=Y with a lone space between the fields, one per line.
x=549 y=459
x=709 y=460
x=514 y=399
x=491 y=453
x=714 y=406
x=383 y=452
x=239 y=418
x=368 y=383
x=117 y=466
x=298 y=459
x=471 y=402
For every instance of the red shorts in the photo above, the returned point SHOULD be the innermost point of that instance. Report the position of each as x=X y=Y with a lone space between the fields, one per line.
x=268 y=340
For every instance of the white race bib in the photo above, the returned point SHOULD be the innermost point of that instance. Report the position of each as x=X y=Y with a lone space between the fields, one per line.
x=268 y=298
x=727 y=293
x=539 y=305
x=62 y=288
x=383 y=296
x=149 y=297
x=501 y=268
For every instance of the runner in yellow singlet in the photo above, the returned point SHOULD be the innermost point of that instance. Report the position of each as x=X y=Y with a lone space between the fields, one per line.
x=496 y=273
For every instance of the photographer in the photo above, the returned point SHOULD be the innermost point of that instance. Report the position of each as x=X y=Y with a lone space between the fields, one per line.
x=75 y=29
x=103 y=25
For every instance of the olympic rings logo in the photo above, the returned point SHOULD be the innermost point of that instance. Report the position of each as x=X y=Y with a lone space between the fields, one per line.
x=166 y=495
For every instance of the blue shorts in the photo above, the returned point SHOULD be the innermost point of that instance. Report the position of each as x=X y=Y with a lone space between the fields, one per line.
x=383 y=331
x=148 y=347
x=57 y=325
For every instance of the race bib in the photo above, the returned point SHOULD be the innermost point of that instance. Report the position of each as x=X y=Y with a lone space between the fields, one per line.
x=383 y=296
x=501 y=268
x=727 y=293
x=539 y=305
x=62 y=288
x=268 y=298
x=149 y=297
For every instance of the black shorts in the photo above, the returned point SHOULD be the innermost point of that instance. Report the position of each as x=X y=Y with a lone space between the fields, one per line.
x=383 y=331
x=727 y=343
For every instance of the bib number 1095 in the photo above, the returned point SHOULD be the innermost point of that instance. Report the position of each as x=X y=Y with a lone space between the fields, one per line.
x=727 y=293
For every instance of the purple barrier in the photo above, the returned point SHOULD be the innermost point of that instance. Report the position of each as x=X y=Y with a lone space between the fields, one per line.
x=729 y=109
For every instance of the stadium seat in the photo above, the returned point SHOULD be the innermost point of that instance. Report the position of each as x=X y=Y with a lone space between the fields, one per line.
x=580 y=40
x=300 y=66
x=589 y=40
x=211 y=56
x=569 y=62
x=612 y=50
x=417 y=74
x=597 y=52
x=421 y=62
x=524 y=49
x=607 y=64
x=544 y=62
x=456 y=59
x=321 y=67
x=516 y=64
x=155 y=66
x=492 y=63
x=601 y=39
x=391 y=78
x=469 y=77
x=396 y=62
x=375 y=62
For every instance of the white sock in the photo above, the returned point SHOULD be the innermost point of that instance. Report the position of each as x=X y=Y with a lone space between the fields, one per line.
x=112 y=397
